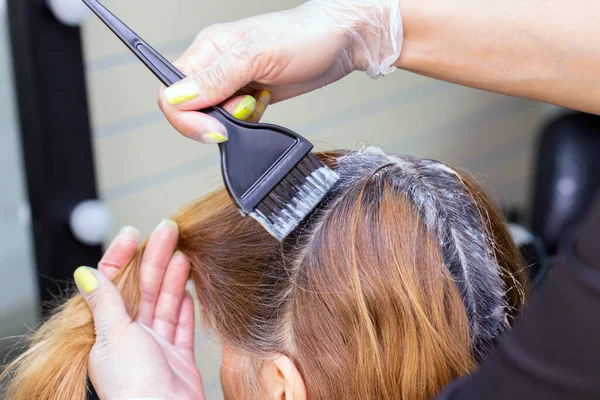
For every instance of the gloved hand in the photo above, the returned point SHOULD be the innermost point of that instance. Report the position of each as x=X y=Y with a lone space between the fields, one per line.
x=288 y=53
x=153 y=356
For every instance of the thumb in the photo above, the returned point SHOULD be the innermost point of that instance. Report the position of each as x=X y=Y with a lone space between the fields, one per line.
x=103 y=298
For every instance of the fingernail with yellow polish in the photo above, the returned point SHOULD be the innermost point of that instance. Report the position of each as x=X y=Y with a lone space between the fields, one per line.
x=168 y=223
x=182 y=91
x=265 y=97
x=244 y=108
x=260 y=110
x=212 y=138
x=85 y=279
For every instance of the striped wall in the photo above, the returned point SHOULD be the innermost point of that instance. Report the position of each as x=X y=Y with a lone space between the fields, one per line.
x=146 y=171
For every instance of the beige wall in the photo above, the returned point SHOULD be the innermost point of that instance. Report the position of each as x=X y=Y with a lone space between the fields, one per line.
x=18 y=286
x=146 y=171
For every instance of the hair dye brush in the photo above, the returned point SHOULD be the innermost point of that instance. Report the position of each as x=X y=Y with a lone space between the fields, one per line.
x=269 y=171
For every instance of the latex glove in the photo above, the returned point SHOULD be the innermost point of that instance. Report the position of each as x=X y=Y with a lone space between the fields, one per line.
x=289 y=53
x=153 y=356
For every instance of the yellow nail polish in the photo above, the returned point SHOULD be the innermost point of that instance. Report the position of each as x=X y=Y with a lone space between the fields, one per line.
x=85 y=279
x=258 y=113
x=182 y=92
x=244 y=108
x=265 y=97
x=213 y=137
x=168 y=223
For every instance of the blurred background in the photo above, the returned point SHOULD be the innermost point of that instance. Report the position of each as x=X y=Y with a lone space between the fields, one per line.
x=79 y=121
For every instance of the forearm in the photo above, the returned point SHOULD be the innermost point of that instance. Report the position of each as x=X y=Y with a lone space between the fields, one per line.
x=544 y=50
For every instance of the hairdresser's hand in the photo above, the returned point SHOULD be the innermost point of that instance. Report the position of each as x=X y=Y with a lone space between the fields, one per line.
x=153 y=355
x=288 y=52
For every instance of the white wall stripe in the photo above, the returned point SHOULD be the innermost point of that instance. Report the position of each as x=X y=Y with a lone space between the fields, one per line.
x=332 y=121
x=478 y=162
x=164 y=176
x=457 y=129
x=126 y=124
x=326 y=122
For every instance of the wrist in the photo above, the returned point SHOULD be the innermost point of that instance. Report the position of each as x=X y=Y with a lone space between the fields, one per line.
x=371 y=32
x=378 y=44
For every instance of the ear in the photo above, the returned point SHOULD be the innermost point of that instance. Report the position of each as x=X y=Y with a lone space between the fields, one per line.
x=283 y=380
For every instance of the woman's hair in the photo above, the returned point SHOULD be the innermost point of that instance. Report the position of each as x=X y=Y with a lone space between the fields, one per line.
x=401 y=280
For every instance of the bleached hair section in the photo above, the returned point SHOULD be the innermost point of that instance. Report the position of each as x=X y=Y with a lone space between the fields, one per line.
x=450 y=213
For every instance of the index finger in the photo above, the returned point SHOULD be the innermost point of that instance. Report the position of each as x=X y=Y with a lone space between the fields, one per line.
x=193 y=124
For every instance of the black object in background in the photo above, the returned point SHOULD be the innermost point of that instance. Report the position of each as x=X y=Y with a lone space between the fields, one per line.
x=56 y=138
x=567 y=175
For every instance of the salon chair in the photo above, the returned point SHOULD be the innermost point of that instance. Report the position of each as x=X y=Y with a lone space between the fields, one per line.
x=567 y=175
x=566 y=179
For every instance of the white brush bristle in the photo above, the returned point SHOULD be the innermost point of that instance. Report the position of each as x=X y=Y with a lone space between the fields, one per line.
x=295 y=197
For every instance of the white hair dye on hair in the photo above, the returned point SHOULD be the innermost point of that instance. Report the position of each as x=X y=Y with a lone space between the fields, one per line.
x=452 y=216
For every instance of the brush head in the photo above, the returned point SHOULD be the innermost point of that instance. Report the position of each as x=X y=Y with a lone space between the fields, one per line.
x=271 y=174
x=295 y=197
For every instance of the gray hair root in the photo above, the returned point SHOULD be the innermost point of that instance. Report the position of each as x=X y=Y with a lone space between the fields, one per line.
x=450 y=213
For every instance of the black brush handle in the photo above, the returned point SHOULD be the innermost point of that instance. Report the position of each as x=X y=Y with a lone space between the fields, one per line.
x=160 y=66
x=256 y=158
